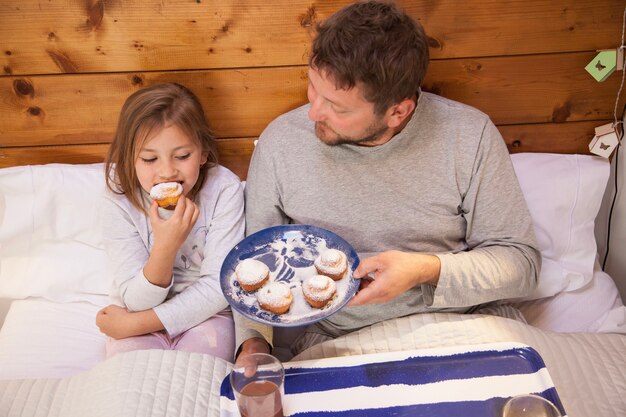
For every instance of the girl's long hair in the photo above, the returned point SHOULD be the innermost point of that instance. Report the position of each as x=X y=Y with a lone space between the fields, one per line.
x=143 y=114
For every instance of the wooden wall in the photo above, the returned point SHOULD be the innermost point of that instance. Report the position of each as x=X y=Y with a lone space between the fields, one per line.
x=67 y=66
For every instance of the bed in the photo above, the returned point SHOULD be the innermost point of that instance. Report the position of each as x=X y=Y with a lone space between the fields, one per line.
x=53 y=268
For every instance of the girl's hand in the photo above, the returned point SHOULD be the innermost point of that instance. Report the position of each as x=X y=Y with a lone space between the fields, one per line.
x=115 y=322
x=118 y=323
x=170 y=234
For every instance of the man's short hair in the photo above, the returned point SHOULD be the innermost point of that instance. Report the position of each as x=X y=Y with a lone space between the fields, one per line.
x=376 y=45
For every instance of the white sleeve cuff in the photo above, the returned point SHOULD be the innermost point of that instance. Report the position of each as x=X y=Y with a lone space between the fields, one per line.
x=142 y=295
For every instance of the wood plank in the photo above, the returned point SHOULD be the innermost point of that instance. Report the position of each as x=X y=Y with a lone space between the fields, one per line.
x=571 y=137
x=64 y=154
x=234 y=154
x=517 y=27
x=72 y=109
x=81 y=109
x=527 y=89
x=67 y=36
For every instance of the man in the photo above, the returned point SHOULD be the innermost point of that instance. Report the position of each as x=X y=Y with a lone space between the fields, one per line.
x=421 y=186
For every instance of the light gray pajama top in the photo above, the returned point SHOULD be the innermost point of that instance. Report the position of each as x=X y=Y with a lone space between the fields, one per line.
x=195 y=293
x=444 y=185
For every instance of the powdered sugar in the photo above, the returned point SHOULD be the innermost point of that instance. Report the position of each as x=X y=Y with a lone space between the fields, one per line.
x=251 y=271
x=274 y=294
x=318 y=287
x=165 y=189
x=290 y=258
x=331 y=261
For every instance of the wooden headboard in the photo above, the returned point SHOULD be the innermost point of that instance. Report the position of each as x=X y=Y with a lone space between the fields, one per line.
x=68 y=65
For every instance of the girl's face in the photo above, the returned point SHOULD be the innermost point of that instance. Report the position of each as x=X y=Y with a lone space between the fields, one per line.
x=169 y=155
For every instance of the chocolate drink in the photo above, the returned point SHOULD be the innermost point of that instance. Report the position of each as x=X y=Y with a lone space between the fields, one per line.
x=260 y=399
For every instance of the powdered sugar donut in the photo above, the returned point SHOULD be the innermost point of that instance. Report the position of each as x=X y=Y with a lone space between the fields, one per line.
x=275 y=297
x=332 y=263
x=318 y=290
x=251 y=274
x=166 y=194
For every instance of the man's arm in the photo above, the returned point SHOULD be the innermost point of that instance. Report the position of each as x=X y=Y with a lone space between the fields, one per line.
x=395 y=272
x=262 y=191
x=262 y=210
x=250 y=336
x=501 y=261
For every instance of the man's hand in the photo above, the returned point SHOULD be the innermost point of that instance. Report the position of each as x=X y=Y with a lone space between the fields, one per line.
x=250 y=346
x=394 y=273
x=254 y=345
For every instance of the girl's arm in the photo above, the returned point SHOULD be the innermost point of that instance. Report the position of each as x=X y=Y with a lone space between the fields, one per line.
x=226 y=225
x=130 y=250
x=142 y=277
x=126 y=237
x=118 y=323
x=169 y=235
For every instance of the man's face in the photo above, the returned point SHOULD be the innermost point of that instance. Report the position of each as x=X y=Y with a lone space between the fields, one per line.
x=343 y=116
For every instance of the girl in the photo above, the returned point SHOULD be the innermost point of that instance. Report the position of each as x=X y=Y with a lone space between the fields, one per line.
x=166 y=263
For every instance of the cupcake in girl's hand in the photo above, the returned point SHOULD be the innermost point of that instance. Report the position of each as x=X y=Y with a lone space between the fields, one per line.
x=166 y=194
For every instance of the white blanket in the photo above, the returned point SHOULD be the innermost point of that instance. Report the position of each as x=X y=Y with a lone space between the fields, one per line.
x=587 y=370
x=140 y=383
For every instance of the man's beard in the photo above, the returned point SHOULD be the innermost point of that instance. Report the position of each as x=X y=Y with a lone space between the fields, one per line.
x=332 y=138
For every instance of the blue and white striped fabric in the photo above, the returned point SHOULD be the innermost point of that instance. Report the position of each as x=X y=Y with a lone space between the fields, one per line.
x=455 y=381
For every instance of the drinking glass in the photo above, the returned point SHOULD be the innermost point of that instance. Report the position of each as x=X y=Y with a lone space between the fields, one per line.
x=530 y=405
x=258 y=383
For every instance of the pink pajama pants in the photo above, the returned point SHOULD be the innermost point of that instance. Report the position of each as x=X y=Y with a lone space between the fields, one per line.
x=215 y=336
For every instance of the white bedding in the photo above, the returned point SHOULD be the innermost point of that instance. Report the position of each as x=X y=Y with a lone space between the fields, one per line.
x=139 y=383
x=49 y=330
x=596 y=308
x=45 y=339
x=587 y=370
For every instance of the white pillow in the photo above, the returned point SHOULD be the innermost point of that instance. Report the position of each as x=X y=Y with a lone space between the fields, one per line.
x=44 y=339
x=51 y=241
x=50 y=233
x=564 y=193
x=594 y=308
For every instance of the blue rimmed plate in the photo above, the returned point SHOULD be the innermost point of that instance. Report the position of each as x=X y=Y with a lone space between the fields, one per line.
x=289 y=252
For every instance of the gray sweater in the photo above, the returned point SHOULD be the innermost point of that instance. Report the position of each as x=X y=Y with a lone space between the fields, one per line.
x=444 y=185
x=195 y=293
